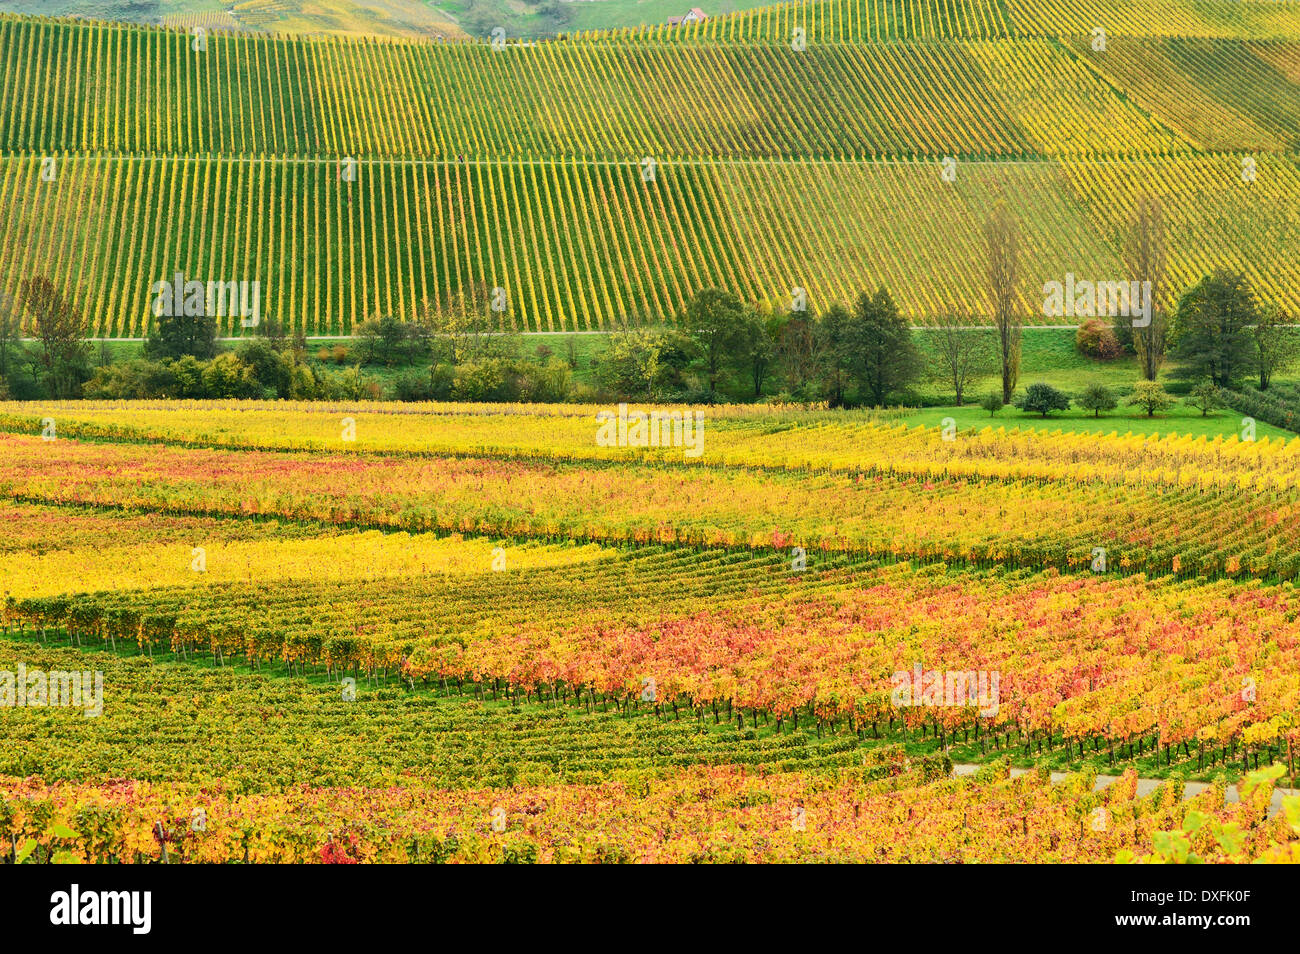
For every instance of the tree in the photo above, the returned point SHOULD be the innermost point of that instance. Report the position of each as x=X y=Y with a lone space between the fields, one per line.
x=714 y=322
x=269 y=368
x=961 y=353
x=225 y=376
x=1144 y=254
x=368 y=334
x=1150 y=396
x=175 y=333
x=273 y=331
x=1042 y=399
x=63 y=352
x=1098 y=398
x=465 y=328
x=834 y=344
x=188 y=373
x=10 y=335
x=1275 y=342
x=392 y=335
x=641 y=362
x=30 y=360
x=1001 y=236
x=885 y=355
x=1204 y=396
x=419 y=339
x=762 y=331
x=797 y=352
x=1211 y=334
x=991 y=402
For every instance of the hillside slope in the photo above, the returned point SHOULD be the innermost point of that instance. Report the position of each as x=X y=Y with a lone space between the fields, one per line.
x=610 y=175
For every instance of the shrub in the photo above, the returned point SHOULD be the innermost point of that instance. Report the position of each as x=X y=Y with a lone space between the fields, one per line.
x=188 y=374
x=991 y=402
x=1096 y=339
x=412 y=386
x=225 y=376
x=142 y=378
x=586 y=394
x=305 y=384
x=1274 y=407
x=271 y=369
x=114 y=383
x=489 y=379
x=347 y=385
x=435 y=384
x=1042 y=399
x=551 y=383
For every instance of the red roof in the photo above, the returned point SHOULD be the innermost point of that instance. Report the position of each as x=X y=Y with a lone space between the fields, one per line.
x=694 y=14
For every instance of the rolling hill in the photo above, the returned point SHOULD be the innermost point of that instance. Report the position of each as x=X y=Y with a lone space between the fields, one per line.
x=606 y=176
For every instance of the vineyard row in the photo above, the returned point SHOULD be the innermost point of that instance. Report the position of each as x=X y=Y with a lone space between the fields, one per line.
x=578 y=246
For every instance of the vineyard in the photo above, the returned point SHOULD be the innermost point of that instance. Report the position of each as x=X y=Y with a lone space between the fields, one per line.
x=882 y=813
x=348 y=631
x=535 y=625
x=586 y=179
x=1192 y=506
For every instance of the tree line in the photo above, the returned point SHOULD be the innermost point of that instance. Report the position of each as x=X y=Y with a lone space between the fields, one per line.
x=717 y=348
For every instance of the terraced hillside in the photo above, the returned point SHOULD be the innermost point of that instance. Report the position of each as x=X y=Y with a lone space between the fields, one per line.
x=603 y=177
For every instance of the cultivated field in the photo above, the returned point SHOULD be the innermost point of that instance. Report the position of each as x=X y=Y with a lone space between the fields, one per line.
x=834 y=431
x=533 y=623
x=612 y=175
